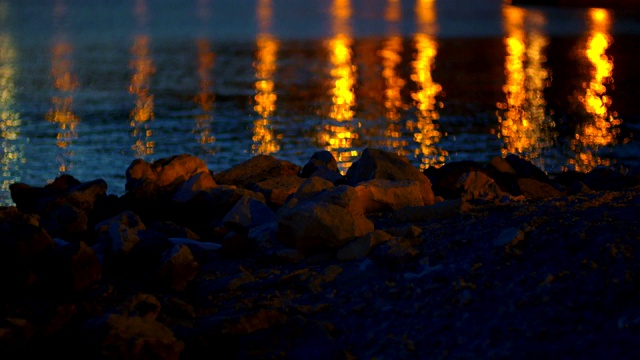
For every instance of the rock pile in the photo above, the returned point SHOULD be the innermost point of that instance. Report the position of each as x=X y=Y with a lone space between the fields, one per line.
x=76 y=260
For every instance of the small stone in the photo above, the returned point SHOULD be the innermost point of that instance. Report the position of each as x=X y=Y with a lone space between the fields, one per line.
x=510 y=236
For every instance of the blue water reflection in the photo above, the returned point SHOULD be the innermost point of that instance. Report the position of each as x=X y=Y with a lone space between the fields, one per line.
x=89 y=86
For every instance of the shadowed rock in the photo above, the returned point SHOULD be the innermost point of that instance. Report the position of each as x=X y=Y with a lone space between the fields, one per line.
x=276 y=190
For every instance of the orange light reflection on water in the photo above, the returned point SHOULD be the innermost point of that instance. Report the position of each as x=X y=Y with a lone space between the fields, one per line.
x=338 y=135
x=142 y=65
x=391 y=57
x=426 y=132
x=525 y=128
x=205 y=97
x=65 y=84
x=264 y=140
x=600 y=129
x=10 y=120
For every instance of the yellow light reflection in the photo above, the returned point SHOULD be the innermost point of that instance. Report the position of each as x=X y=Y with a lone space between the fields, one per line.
x=10 y=122
x=525 y=127
x=426 y=133
x=65 y=84
x=205 y=97
x=264 y=140
x=600 y=129
x=338 y=136
x=393 y=84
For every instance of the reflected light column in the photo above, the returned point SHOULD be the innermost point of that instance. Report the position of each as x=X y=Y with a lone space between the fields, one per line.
x=391 y=58
x=206 y=96
x=65 y=84
x=338 y=135
x=264 y=141
x=426 y=133
x=10 y=123
x=143 y=68
x=600 y=129
x=524 y=126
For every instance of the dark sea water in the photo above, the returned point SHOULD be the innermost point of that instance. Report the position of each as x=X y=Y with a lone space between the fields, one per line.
x=87 y=86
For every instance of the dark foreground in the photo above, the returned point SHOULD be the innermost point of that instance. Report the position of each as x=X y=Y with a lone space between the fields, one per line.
x=270 y=260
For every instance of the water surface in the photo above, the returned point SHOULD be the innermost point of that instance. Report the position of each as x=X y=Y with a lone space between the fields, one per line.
x=89 y=86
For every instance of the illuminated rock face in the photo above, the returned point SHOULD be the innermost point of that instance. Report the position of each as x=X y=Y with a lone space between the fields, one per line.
x=380 y=164
x=330 y=219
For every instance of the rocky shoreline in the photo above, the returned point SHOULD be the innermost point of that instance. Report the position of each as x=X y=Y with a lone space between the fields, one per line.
x=269 y=259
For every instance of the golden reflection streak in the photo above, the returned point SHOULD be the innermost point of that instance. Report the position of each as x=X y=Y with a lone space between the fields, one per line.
x=10 y=123
x=391 y=58
x=65 y=84
x=264 y=140
x=338 y=135
x=426 y=133
x=205 y=97
x=524 y=125
x=142 y=66
x=600 y=129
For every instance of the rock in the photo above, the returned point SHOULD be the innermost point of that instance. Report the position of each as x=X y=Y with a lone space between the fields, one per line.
x=444 y=179
x=138 y=337
x=84 y=195
x=248 y=213
x=330 y=219
x=276 y=190
x=510 y=236
x=476 y=185
x=526 y=169
x=289 y=255
x=22 y=247
x=256 y=169
x=381 y=195
x=119 y=232
x=171 y=229
x=537 y=190
x=311 y=187
x=333 y=176
x=319 y=159
x=236 y=245
x=578 y=187
x=179 y=267
x=72 y=267
x=64 y=190
x=65 y=221
x=499 y=164
x=379 y=164
x=202 y=181
x=163 y=176
x=12 y=213
x=360 y=247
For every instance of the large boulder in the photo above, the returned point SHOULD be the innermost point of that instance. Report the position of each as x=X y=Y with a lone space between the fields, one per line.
x=328 y=220
x=277 y=189
x=381 y=195
x=163 y=176
x=444 y=179
x=380 y=164
x=256 y=169
x=200 y=182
